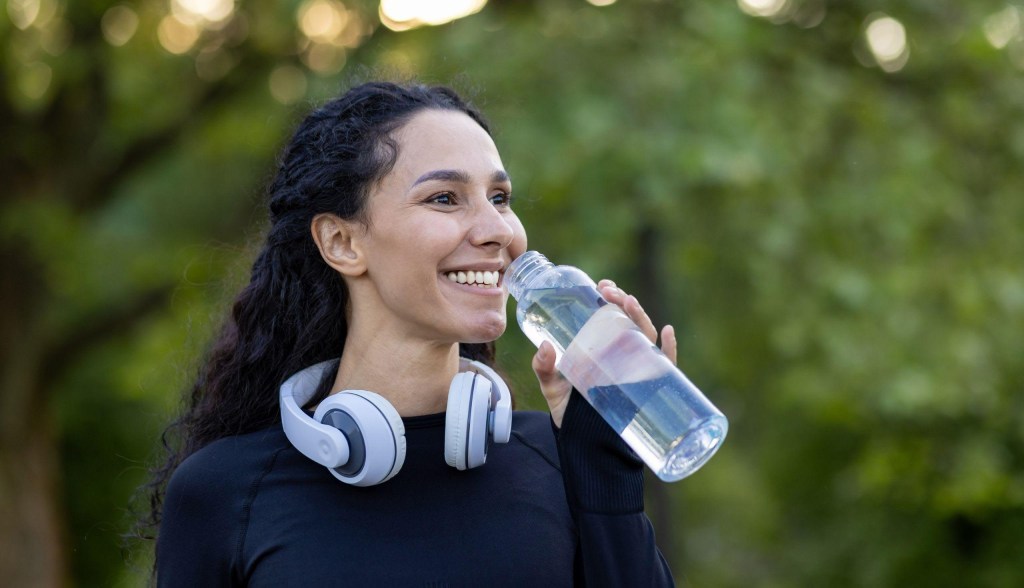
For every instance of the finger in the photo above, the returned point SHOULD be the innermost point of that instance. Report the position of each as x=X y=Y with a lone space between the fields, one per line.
x=630 y=305
x=669 y=345
x=544 y=366
x=611 y=292
x=639 y=316
x=555 y=388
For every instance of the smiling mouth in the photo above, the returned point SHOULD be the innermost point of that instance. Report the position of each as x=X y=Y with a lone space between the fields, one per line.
x=481 y=279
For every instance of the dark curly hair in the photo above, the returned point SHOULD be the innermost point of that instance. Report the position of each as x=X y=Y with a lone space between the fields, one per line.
x=292 y=313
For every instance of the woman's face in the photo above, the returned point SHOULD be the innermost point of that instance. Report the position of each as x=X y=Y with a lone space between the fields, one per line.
x=438 y=223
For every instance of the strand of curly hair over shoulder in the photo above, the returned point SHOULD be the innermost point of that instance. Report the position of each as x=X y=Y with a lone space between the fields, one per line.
x=292 y=313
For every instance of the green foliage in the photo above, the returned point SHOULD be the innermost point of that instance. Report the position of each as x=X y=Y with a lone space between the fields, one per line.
x=838 y=246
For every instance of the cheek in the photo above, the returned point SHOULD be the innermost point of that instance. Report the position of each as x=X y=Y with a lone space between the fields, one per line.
x=413 y=249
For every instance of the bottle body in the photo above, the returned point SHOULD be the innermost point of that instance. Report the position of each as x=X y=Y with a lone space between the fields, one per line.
x=663 y=417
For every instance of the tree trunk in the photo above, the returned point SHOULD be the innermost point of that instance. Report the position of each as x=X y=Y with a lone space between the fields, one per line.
x=651 y=294
x=32 y=546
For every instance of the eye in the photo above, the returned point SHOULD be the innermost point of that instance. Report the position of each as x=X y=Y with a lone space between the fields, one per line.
x=446 y=198
x=501 y=199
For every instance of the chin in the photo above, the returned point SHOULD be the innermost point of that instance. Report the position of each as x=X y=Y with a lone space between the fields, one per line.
x=485 y=333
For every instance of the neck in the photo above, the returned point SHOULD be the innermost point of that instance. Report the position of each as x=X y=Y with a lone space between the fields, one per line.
x=414 y=376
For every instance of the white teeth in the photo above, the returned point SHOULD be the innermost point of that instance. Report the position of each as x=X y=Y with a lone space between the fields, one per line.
x=481 y=279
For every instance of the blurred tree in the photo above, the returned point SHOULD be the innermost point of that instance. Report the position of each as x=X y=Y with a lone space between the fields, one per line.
x=132 y=133
x=822 y=196
x=824 y=199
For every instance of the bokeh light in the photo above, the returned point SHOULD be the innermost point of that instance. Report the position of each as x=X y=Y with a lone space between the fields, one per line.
x=202 y=11
x=213 y=63
x=322 y=20
x=329 y=28
x=763 y=8
x=34 y=80
x=56 y=37
x=402 y=15
x=23 y=12
x=287 y=84
x=810 y=14
x=1003 y=27
x=119 y=24
x=324 y=58
x=27 y=13
x=176 y=36
x=887 y=40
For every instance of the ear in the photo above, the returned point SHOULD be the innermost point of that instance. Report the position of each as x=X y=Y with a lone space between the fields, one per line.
x=339 y=243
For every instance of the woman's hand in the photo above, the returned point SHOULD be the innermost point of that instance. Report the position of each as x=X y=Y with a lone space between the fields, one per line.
x=556 y=388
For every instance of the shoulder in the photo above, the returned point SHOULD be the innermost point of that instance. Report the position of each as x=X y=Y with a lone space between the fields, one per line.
x=532 y=429
x=215 y=482
x=532 y=422
x=205 y=507
x=229 y=461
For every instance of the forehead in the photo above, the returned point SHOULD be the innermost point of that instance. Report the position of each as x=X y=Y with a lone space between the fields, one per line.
x=444 y=139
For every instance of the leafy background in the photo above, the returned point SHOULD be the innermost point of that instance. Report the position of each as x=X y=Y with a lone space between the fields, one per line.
x=828 y=211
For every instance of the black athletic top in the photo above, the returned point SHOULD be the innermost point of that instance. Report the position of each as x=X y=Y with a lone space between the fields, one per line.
x=251 y=510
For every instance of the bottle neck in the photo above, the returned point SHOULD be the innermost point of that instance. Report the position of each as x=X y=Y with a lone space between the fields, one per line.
x=525 y=272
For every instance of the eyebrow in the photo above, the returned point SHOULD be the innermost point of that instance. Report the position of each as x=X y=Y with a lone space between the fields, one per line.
x=457 y=175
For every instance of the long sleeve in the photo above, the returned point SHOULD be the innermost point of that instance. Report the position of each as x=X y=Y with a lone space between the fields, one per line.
x=199 y=531
x=605 y=489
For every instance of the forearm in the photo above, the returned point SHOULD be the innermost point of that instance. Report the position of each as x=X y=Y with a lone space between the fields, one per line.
x=604 y=486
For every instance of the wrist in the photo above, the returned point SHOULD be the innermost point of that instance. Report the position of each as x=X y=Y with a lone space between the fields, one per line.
x=602 y=473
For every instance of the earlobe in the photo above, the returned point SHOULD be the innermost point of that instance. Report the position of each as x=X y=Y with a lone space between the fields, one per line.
x=337 y=240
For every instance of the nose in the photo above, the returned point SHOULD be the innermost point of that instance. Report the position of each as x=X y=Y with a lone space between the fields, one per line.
x=490 y=228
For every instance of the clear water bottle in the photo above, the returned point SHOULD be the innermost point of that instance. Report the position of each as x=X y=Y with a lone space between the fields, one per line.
x=654 y=407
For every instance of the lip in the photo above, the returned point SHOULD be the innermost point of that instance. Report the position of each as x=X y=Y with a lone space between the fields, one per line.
x=489 y=266
x=477 y=290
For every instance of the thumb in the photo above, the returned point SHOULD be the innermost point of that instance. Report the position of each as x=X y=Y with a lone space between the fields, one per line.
x=544 y=365
x=553 y=385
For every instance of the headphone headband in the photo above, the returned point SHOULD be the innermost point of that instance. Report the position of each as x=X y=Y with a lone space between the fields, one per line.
x=324 y=445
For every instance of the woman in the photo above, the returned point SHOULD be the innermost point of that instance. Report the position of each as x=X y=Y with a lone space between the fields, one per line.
x=382 y=199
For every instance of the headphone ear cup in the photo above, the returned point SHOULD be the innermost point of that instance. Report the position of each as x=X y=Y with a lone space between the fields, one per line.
x=375 y=433
x=456 y=420
x=500 y=413
x=466 y=426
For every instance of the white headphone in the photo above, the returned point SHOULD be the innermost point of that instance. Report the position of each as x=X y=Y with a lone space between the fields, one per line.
x=360 y=438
